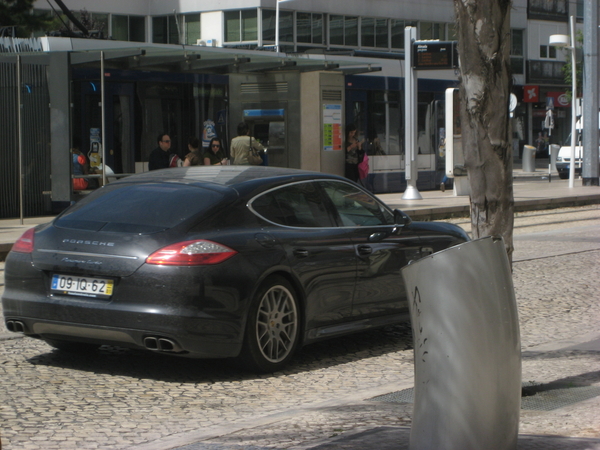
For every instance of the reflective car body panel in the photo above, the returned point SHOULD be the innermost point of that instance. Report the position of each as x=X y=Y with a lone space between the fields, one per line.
x=335 y=243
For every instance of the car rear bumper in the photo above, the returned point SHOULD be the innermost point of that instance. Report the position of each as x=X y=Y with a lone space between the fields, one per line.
x=192 y=339
x=564 y=167
x=193 y=316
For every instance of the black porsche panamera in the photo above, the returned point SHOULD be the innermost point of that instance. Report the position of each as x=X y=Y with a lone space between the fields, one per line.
x=217 y=262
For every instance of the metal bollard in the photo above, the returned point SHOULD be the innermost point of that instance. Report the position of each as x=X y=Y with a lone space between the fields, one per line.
x=528 y=158
x=467 y=349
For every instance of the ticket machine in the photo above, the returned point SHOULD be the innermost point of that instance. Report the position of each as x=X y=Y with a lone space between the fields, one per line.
x=268 y=126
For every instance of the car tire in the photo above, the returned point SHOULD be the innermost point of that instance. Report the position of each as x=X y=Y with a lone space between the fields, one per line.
x=71 y=347
x=563 y=175
x=273 y=327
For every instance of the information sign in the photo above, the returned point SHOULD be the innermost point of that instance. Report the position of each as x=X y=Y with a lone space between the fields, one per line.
x=431 y=55
x=332 y=127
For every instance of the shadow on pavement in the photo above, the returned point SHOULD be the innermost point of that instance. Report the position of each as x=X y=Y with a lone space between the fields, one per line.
x=146 y=365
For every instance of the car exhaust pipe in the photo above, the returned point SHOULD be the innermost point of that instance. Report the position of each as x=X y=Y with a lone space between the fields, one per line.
x=160 y=344
x=151 y=343
x=167 y=345
x=16 y=326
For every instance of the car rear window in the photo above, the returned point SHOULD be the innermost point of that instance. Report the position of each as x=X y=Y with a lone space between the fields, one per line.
x=145 y=208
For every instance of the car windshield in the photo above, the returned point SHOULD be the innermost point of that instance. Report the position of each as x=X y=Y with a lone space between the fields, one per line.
x=144 y=208
x=568 y=140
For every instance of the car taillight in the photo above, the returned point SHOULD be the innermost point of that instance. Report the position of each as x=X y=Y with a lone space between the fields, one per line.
x=191 y=253
x=25 y=243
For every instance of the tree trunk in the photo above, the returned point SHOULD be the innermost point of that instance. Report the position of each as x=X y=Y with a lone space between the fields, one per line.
x=484 y=53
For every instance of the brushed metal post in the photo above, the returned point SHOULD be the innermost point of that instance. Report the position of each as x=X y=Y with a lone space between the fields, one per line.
x=467 y=349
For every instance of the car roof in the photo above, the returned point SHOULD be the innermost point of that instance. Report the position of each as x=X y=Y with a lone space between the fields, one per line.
x=223 y=178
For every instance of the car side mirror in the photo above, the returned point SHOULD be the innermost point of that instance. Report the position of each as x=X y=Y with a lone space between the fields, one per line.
x=401 y=218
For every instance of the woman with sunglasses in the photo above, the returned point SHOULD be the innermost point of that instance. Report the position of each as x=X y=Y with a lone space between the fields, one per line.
x=215 y=155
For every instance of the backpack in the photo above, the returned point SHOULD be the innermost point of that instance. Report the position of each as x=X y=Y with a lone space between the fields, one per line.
x=175 y=161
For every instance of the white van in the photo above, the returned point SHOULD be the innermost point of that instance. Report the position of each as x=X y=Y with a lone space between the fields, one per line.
x=563 y=159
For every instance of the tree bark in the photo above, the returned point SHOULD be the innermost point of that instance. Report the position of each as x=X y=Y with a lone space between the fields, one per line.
x=484 y=54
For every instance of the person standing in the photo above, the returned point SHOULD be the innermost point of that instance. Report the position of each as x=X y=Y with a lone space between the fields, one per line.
x=354 y=153
x=245 y=148
x=215 y=155
x=160 y=157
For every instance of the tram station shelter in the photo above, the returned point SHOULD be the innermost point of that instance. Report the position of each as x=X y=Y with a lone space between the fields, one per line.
x=178 y=68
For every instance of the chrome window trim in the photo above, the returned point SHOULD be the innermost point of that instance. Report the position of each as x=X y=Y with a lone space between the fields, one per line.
x=317 y=180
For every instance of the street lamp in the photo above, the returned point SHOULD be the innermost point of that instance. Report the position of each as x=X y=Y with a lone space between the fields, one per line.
x=561 y=40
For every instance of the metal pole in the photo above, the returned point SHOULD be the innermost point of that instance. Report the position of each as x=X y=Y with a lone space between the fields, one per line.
x=102 y=110
x=20 y=133
x=277 y=26
x=573 y=104
x=410 y=118
x=589 y=169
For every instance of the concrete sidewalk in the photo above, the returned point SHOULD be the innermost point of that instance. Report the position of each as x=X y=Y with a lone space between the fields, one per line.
x=531 y=191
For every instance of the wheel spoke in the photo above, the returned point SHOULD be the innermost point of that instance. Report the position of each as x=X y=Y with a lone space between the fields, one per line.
x=276 y=327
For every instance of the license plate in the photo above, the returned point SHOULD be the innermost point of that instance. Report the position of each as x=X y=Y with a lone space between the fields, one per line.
x=83 y=286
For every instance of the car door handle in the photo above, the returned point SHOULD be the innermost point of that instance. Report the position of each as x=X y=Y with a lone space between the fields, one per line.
x=364 y=250
x=300 y=253
x=376 y=237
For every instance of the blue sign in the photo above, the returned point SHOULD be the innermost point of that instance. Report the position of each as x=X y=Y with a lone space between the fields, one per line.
x=263 y=112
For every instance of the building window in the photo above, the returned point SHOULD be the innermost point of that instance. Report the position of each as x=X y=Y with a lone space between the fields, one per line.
x=516 y=51
x=381 y=33
x=309 y=28
x=555 y=10
x=374 y=32
x=165 y=30
x=128 y=28
x=286 y=25
x=241 y=25
x=367 y=32
x=343 y=30
x=192 y=28
x=432 y=30
x=397 y=32
x=547 y=51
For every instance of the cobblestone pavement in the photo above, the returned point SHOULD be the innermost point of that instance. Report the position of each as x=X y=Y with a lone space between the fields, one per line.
x=124 y=399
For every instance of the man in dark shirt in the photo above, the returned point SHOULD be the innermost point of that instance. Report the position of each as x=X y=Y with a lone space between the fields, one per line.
x=160 y=156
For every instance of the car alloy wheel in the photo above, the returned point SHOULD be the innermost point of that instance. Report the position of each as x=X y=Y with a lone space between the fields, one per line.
x=273 y=326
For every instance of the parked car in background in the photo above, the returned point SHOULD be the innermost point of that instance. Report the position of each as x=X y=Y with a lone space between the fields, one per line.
x=217 y=262
x=563 y=159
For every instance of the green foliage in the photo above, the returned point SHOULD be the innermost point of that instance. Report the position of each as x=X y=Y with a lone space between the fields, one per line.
x=567 y=69
x=18 y=14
